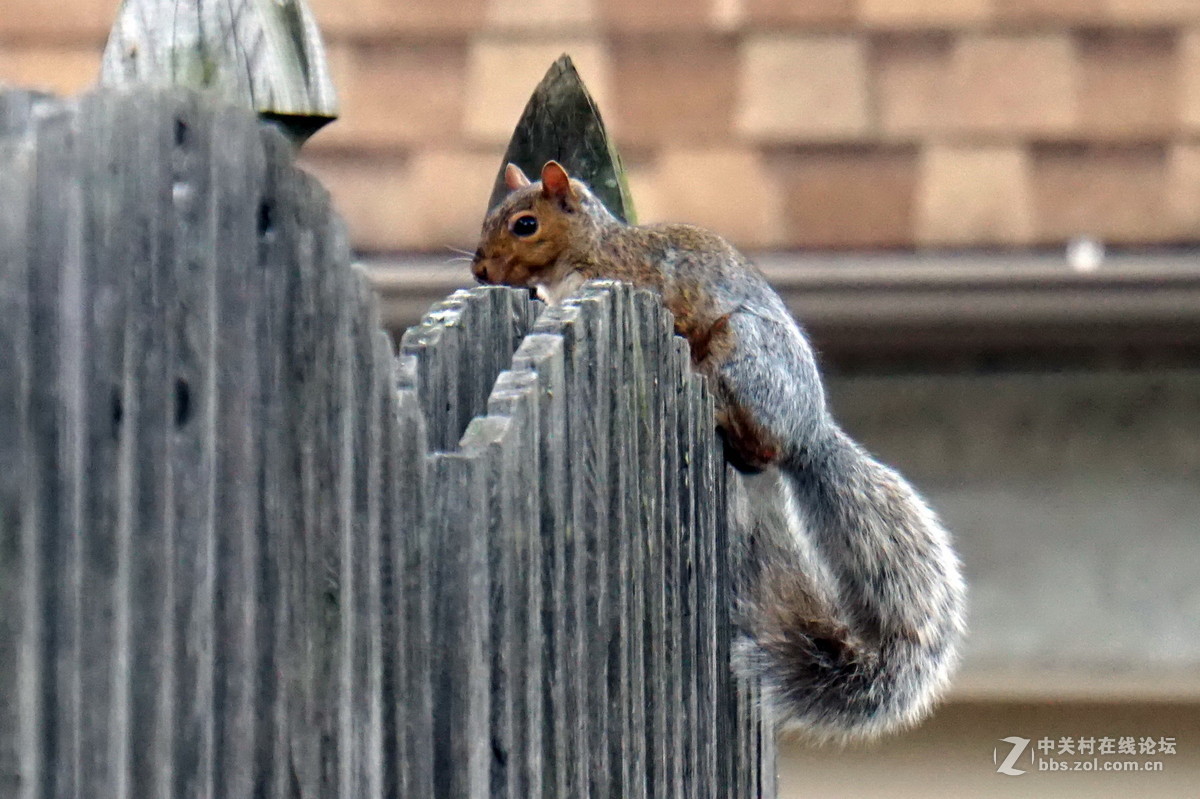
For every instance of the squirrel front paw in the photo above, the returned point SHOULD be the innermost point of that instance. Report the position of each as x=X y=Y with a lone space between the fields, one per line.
x=749 y=447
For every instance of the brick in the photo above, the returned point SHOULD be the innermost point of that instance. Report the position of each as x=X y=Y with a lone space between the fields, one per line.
x=375 y=196
x=453 y=187
x=542 y=15
x=924 y=13
x=969 y=196
x=1026 y=11
x=501 y=75
x=397 y=96
x=641 y=177
x=1015 y=84
x=1128 y=83
x=65 y=70
x=727 y=190
x=386 y=18
x=727 y=15
x=429 y=201
x=679 y=89
x=762 y=13
x=626 y=16
x=1189 y=80
x=811 y=88
x=847 y=198
x=1183 y=188
x=1154 y=11
x=1116 y=194
x=87 y=20
x=912 y=85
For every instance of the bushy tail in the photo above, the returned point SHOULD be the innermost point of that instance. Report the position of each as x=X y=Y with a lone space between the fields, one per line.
x=854 y=610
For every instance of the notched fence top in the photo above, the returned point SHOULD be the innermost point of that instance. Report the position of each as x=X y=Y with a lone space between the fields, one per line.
x=224 y=527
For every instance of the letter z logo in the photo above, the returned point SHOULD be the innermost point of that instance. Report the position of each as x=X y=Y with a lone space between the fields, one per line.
x=1018 y=747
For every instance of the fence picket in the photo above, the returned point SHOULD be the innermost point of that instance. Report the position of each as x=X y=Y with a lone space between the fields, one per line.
x=282 y=249
x=20 y=584
x=254 y=551
x=516 y=398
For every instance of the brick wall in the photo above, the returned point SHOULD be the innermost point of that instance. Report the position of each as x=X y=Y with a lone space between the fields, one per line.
x=809 y=123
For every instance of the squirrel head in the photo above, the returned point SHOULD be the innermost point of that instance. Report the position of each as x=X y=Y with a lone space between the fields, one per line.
x=526 y=235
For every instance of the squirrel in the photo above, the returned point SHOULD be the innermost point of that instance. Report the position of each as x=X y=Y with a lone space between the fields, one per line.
x=850 y=597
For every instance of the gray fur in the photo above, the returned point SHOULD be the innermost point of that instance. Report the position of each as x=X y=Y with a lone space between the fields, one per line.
x=874 y=565
x=850 y=596
x=881 y=583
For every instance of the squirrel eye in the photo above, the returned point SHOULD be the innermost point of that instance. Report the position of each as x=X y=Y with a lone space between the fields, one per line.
x=524 y=225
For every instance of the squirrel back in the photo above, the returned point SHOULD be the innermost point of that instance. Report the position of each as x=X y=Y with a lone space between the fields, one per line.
x=850 y=596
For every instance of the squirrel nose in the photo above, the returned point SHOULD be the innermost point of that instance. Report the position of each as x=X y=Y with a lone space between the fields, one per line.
x=478 y=268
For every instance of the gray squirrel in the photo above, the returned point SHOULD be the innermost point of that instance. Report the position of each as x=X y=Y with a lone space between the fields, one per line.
x=851 y=600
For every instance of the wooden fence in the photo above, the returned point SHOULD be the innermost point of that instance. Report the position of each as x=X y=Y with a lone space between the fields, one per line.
x=245 y=550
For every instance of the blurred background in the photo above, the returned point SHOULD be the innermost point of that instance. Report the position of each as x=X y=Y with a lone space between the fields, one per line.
x=985 y=211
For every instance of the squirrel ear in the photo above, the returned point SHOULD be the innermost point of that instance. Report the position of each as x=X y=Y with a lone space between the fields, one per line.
x=514 y=178
x=556 y=182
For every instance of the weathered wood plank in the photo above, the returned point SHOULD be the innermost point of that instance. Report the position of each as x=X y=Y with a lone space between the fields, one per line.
x=475 y=357
x=718 y=542
x=286 y=593
x=638 y=518
x=364 y=704
x=543 y=354
x=17 y=110
x=708 y=597
x=149 y=408
x=55 y=418
x=622 y=515
x=686 y=397
x=516 y=397
x=563 y=322
x=333 y=462
x=591 y=421
x=200 y=512
x=436 y=343
x=647 y=310
x=461 y=345
x=409 y=540
x=344 y=418
x=769 y=784
x=461 y=680
x=307 y=581
x=105 y=181
x=21 y=690
x=279 y=260
x=495 y=436
x=262 y=56
x=676 y=717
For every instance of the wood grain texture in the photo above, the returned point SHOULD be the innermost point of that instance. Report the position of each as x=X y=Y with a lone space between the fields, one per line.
x=265 y=56
x=249 y=549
